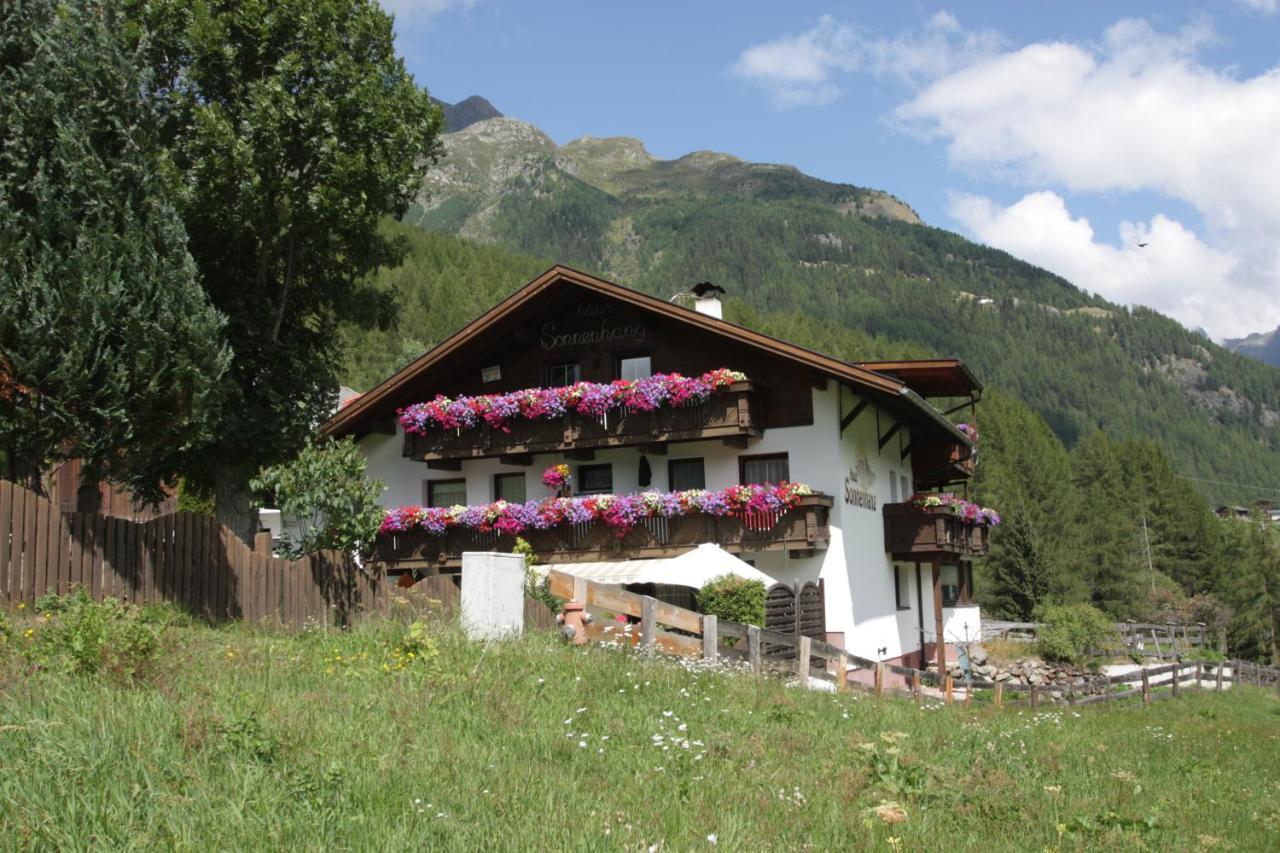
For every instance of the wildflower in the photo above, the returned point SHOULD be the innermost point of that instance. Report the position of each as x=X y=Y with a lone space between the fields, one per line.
x=711 y=839
x=1053 y=789
x=22 y=605
x=29 y=633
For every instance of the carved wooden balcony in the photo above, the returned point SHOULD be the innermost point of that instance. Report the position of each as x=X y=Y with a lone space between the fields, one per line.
x=735 y=413
x=938 y=464
x=801 y=529
x=920 y=533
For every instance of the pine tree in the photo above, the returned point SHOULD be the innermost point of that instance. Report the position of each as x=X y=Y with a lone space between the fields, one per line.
x=1019 y=575
x=109 y=350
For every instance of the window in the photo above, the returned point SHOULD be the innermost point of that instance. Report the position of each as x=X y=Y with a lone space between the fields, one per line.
x=763 y=469
x=634 y=367
x=950 y=585
x=595 y=479
x=563 y=373
x=509 y=488
x=446 y=492
x=684 y=474
x=902 y=587
x=906 y=488
x=893 y=486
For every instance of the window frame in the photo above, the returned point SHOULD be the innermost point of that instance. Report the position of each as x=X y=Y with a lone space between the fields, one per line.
x=620 y=357
x=552 y=365
x=430 y=487
x=582 y=479
x=958 y=599
x=901 y=587
x=761 y=457
x=671 y=464
x=498 y=477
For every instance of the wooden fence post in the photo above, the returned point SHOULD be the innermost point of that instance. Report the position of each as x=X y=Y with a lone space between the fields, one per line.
x=648 y=622
x=1071 y=692
x=915 y=686
x=879 y=680
x=1146 y=687
x=842 y=673
x=1199 y=675
x=1218 y=679
x=753 y=647
x=1035 y=696
x=948 y=690
x=802 y=660
x=710 y=637
x=1174 y=679
x=998 y=695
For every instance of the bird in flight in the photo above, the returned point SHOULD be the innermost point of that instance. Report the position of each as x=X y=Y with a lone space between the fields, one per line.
x=1143 y=245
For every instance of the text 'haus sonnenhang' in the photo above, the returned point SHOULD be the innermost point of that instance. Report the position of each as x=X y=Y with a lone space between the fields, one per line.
x=863 y=438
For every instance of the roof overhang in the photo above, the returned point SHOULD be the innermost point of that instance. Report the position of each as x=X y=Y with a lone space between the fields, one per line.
x=887 y=389
x=932 y=377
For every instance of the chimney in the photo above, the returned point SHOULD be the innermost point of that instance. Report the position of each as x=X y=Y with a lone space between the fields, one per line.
x=709 y=305
x=706 y=298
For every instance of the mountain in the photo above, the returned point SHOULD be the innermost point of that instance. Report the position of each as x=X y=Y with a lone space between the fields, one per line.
x=1264 y=346
x=466 y=112
x=845 y=269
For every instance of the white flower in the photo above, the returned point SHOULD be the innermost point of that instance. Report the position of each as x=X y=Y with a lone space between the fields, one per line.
x=582 y=744
x=711 y=839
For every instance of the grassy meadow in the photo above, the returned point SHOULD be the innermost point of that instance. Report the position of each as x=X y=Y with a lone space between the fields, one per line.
x=166 y=734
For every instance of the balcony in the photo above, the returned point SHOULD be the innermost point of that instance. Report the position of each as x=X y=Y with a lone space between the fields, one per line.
x=800 y=530
x=937 y=465
x=916 y=533
x=735 y=413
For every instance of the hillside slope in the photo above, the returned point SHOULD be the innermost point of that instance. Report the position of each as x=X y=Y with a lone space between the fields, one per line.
x=832 y=259
x=1264 y=346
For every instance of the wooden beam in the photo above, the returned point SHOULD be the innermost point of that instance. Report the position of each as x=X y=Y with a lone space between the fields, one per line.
x=654 y=448
x=906 y=451
x=893 y=430
x=738 y=441
x=939 y=641
x=581 y=455
x=819 y=381
x=525 y=459
x=853 y=415
x=444 y=464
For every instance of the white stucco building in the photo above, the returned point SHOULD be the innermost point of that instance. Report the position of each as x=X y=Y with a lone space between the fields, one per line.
x=862 y=437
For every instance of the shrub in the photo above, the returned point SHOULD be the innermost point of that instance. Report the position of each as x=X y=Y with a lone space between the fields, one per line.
x=1074 y=633
x=80 y=635
x=734 y=599
x=536 y=587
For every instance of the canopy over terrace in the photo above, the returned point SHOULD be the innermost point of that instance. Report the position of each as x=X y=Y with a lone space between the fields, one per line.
x=692 y=569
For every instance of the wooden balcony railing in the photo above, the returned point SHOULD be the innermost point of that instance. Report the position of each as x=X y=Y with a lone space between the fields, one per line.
x=912 y=533
x=735 y=412
x=800 y=529
x=936 y=465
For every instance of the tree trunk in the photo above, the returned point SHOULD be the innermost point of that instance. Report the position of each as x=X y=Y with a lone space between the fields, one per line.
x=232 y=506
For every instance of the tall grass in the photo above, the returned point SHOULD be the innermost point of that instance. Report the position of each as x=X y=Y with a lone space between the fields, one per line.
x=386 y=739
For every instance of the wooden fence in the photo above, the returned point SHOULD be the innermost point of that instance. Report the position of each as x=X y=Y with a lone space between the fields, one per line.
x=1160 y=640
x=667 y=628
x=181 y=558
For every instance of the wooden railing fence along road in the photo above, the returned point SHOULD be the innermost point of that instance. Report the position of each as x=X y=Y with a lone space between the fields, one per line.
x=674 y=630
x=181 y=558
x=1160 y=640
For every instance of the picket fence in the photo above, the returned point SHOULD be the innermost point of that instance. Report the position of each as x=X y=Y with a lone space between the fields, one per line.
x=181 y=558
x=669 y=629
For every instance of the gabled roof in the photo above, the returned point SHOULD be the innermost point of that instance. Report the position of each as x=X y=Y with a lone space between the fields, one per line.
x=377 y=401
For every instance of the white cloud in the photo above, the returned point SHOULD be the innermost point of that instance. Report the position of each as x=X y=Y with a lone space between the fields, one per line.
x=1176 y=273
x=799 y=70
x=1138 y=112
x=1266 y=7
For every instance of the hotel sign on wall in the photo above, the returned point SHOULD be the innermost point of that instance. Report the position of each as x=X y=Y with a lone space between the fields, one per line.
x=859 y=483
x=590 y=324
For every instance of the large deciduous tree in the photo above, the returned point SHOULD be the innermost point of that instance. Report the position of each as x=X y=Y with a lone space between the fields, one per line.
x=297 y=129
x=109 y=349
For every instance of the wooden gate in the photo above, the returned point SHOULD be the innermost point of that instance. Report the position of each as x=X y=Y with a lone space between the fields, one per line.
x=798 y=609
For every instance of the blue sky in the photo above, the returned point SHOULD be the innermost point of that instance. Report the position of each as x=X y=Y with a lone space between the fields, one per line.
x=1063 y=133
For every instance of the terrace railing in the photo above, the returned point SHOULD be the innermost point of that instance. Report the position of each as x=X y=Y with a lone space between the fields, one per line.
x=803 y=528
x=735 y=413
x=912 y=532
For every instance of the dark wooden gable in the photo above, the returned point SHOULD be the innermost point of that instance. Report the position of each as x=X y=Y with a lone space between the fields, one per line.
x=568 y=323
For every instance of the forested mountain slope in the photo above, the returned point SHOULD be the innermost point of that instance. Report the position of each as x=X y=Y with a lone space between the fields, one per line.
x=841 y=263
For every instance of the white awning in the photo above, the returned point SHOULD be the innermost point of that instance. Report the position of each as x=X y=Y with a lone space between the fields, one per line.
x=693 y=568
